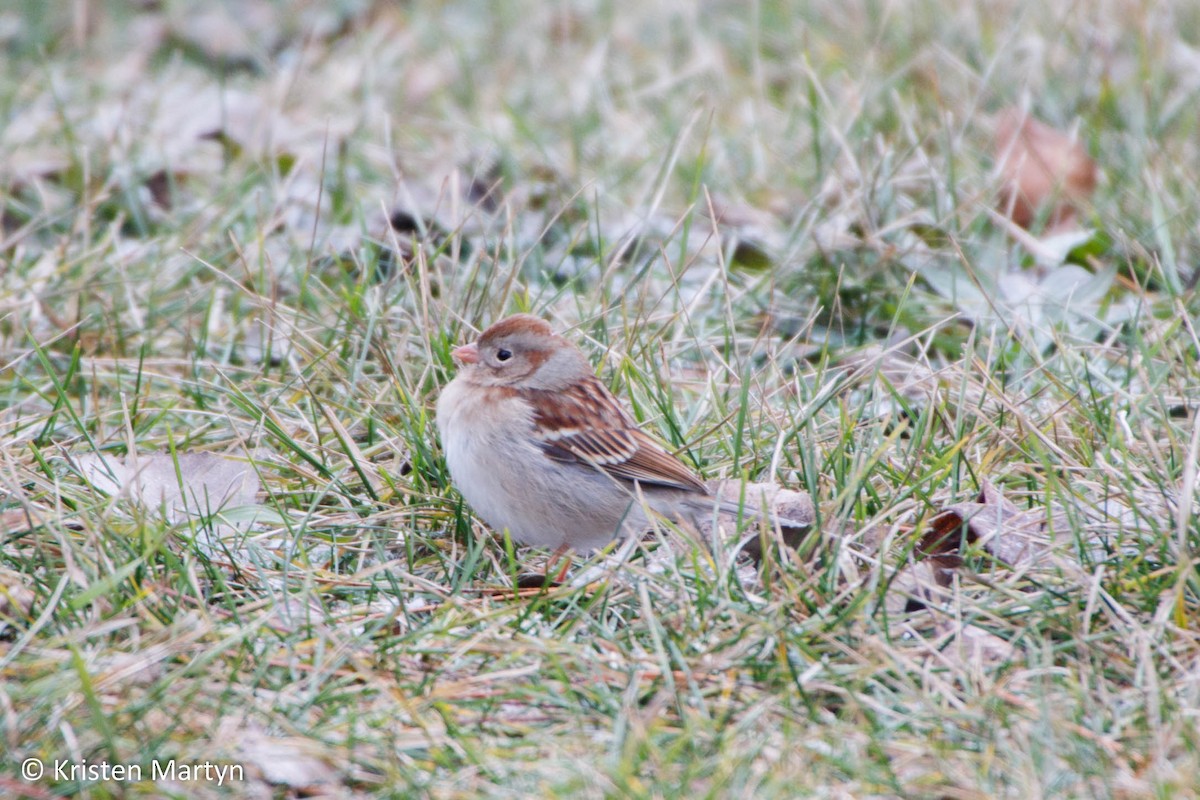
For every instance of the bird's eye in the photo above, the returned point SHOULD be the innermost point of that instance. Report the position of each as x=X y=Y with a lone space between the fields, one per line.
x=503 y=355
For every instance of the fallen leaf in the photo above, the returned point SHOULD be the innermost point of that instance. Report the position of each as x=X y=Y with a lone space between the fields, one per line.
x=15 y=521
x=238 y=37
x=993 y=523
x=203 y=484
x=1041 y=170
x=748 y=232
x=922 y=586
x=793 y=510
x=294 y=762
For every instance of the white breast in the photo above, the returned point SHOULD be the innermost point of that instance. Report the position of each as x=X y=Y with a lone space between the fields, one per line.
x=509 y=482
x=487 y=444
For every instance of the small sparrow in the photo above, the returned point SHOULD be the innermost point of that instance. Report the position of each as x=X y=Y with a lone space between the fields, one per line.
x=539 y=446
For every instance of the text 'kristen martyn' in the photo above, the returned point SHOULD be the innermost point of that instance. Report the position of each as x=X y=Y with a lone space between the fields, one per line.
x=171 y=770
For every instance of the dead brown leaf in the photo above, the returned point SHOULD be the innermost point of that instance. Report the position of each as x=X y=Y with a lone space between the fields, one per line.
x=1041 y=170
x=992 y=522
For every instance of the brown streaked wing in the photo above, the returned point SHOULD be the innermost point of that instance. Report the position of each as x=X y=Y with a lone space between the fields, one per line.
x=651 y=464
x=587 y=400
x=611 y=440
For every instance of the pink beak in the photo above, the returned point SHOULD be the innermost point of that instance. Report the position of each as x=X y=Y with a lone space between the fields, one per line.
x=467 y=354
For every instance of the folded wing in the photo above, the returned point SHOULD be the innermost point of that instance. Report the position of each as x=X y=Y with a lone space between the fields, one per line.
x=585 y=424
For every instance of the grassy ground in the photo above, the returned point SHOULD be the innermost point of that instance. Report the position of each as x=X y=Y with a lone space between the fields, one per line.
x=771 y=228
